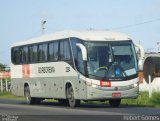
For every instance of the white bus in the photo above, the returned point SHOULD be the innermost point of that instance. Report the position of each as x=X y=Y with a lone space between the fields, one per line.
x=71 y=66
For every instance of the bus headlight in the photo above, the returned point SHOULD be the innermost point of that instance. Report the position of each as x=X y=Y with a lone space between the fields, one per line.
x=134 y=85
x=94 y=85
x=91 y=84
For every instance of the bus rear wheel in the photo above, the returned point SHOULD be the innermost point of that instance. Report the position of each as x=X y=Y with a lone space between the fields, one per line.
x=71 y=99
x=27 y=95
x=115 y=102
x=28 y=98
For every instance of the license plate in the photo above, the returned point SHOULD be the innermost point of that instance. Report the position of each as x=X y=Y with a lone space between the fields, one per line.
x=117 y=94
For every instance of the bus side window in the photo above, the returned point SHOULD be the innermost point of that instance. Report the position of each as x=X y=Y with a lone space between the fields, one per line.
x=43 y=52
x=65 y=50
x=80 y=65
x=25 y=54
x=77 y=55
x=33 y=53
x=53 y=51
x=15 y=55
x=40 y=52
x=20 y=55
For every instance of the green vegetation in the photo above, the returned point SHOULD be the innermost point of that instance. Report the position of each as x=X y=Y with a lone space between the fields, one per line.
x=2 y=66
x=8 y=95
x=142 y=100
x=155 y=100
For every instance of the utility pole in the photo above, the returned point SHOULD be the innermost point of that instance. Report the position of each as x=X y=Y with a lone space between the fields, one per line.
x=158 y=46
x=42 y=26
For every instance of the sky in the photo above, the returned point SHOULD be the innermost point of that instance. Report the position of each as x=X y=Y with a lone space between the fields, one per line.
x=21 y=19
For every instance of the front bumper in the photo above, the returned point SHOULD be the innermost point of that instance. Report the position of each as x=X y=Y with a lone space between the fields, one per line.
x=95 y=93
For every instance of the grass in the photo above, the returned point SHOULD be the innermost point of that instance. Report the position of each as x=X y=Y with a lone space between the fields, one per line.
x=155 y=99
x=142 y=100
x=8 y=95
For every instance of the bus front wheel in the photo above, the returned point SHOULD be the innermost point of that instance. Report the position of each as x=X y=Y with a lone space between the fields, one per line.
x=71 y=99
x=115 y=102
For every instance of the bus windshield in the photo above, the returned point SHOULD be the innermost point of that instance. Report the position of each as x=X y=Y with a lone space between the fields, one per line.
x=111 y=60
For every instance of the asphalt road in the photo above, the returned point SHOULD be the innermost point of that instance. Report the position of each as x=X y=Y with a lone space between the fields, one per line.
x=18 y=110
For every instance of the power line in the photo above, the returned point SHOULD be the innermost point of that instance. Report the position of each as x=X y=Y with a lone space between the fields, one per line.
x=133 y=25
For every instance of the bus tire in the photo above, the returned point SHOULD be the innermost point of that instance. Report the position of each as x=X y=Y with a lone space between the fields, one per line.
x=115 y=102
x=30 y=100
x=70 y=96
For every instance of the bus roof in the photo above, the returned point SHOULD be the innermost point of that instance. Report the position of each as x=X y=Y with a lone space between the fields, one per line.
x=89 y=35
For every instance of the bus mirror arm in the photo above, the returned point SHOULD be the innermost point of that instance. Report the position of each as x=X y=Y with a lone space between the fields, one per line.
x=83 y=50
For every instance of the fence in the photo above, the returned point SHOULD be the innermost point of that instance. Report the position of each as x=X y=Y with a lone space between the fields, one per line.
x=5 y=81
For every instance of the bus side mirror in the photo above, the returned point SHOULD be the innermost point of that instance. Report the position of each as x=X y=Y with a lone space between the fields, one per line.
x=140 y=54
x=83 y=50
x=140 y=65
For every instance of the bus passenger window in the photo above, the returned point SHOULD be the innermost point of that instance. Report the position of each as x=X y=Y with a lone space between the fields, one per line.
x=33 y=53
x=53 y=51
x=42 y=52
x=25 y=54
x=15 y=55
x=21 y=55
x=64 y=50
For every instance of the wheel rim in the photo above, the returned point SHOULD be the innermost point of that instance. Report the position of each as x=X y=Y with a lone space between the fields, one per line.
x=27 y=96
x=71 y=98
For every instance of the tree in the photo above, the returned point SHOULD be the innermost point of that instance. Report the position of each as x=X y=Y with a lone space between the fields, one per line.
x=2 y=66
